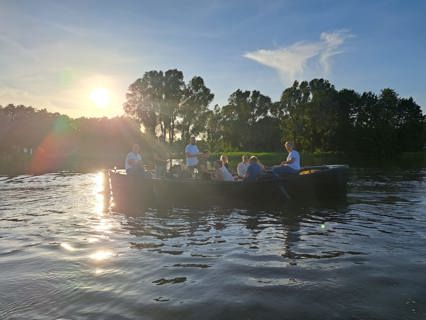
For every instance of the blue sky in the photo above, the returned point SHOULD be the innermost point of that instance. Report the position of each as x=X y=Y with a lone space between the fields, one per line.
x=54 y=53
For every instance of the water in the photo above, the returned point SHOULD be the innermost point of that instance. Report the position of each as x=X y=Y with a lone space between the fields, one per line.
x=63 y=255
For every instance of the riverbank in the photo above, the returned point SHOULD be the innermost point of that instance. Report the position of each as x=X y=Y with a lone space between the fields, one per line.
x=23 y=163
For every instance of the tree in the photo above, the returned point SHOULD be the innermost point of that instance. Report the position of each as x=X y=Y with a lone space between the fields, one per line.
x=348 y=102
x=193 y=109
x=154 y=99
x=308 y=114
x=409 y=125
x=214 y=130
x=239 y=116
x=172 y=92
x=162 y=102
x=143 y=100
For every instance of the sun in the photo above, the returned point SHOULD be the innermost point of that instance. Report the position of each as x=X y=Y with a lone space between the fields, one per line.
x=101 y=97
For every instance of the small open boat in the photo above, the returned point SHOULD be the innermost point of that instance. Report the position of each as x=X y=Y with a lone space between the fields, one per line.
x=313 y=183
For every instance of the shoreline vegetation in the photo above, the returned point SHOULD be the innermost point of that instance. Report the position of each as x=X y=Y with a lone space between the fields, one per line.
x=162 y=111
x=21 y=163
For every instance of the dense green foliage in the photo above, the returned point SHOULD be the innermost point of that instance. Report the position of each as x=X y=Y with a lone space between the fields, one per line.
x=165 y=105
x=314 y=115
x=319 y=118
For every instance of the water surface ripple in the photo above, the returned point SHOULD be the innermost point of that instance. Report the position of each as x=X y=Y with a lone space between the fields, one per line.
x=64 y=255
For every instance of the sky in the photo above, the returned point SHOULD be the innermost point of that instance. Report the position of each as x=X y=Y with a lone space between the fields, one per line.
x=54 y=54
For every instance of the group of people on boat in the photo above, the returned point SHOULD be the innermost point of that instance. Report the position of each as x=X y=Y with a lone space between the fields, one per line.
x=249 y=169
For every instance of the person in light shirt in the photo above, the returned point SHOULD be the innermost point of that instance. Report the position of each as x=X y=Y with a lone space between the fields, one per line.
x=225 y=161
x=242 y=166
x=221 y=173
x=133 y=163
x=291 y=164
x=192 y=154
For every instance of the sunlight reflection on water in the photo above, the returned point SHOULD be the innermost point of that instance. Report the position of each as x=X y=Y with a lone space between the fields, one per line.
x=101 y=255
x=104 y=225
x=64 y=255
x=67 y=246
x=98 y=193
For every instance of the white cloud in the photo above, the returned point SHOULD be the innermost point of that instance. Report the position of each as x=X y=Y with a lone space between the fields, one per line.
x=303 y=60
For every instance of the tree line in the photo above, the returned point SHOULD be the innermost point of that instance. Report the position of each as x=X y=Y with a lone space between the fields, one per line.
x=316 y=116
x=27 y=128
x=36 y=141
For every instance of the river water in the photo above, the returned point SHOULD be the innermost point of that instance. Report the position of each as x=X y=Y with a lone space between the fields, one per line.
x=64 y=255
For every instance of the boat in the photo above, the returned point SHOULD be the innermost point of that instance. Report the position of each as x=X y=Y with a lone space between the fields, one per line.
x=312 y=183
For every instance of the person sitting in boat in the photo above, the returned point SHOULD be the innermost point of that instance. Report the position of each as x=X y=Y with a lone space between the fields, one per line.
x=291 y=164
x=254 y=169
x=225 y=161
x=221 y=173
x=192 y=154
x=242 y=166
x=134 y=164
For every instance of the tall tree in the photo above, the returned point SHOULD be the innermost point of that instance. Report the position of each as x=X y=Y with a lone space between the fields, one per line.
x=214 y=130
x=348 y=102
x=153 y=100
x=172 y=92
x=308 y=112
x=143 y=100
x=193 y=109
x=243 y=111
x=291 y=109
x=410 y=125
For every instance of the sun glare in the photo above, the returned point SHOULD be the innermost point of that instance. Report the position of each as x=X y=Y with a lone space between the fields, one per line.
x=100 y=97
x=101 y=255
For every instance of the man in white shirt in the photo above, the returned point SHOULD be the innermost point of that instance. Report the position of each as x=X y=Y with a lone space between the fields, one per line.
x=291 y=164
x=133 y=162
x=192 y=153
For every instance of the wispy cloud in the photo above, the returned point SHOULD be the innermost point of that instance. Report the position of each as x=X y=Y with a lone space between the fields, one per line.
x=303 y=59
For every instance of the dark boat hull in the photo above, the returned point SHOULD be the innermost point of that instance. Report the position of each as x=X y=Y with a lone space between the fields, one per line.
x=315 y=183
